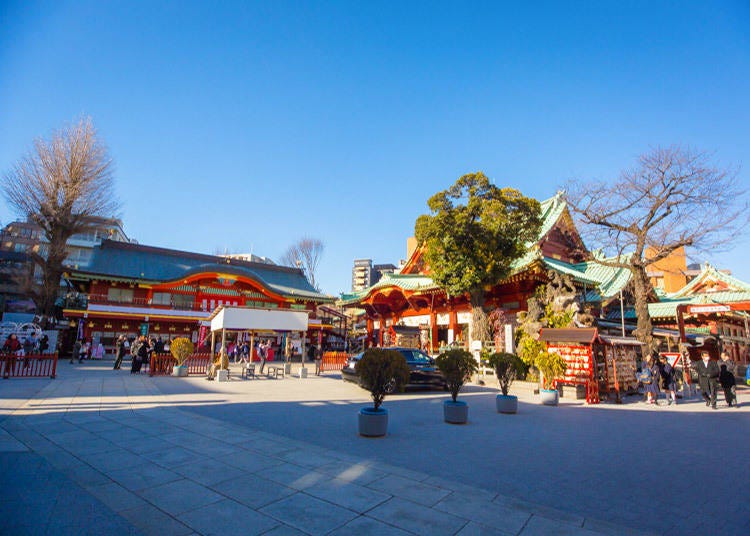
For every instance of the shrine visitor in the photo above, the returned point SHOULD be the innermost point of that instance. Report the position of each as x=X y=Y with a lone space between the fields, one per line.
x=668 y=382
x=708 y=378
x=726 y=379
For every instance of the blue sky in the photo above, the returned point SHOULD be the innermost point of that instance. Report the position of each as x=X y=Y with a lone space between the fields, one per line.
x=249 y=125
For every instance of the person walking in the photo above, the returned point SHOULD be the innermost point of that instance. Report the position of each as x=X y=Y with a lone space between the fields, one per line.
x=708 y=378
x=732 y=368
x=668 y=381
x=316 y=356
x=651 y=381
x=726 y=379
x=262 y=355
x=119 y=351
x=76 y=351
x=44 y=344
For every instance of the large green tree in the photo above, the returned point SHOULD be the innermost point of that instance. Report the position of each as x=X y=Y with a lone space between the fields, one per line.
x=60 y=185
x=473 y=234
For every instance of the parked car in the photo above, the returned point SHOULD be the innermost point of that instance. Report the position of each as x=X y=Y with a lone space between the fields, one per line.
x=423 y=372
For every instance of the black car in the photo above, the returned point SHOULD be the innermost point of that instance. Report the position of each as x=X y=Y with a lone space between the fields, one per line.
x=423 y=372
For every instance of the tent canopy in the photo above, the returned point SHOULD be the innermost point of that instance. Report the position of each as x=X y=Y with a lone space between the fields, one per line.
x=246 y=319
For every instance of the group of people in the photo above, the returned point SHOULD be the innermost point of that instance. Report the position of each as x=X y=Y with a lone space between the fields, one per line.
x=84 y=349
x=31 y=344
x=712 y=374
x=657 y=375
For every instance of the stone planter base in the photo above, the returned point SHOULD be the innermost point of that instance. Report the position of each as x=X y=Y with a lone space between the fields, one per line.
x=455 y=412
x=506 y=403
x=222 y=375
x=373 y=423
x=181 y=371
x=549 y=397
x=303 y=372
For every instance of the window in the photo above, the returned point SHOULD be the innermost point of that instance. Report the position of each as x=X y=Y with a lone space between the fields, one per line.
x=120 y=295
x=182 y=301
x=161 y=298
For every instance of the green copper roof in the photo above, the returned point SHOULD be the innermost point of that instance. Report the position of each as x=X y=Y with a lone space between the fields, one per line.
x=709 y=272
x=412 y=282
x=667 y=308
x=136 y=262
x=552 y=209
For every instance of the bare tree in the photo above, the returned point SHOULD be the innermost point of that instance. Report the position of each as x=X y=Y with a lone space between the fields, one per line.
x=305 y=254
x=672 y=198
x=60 y=185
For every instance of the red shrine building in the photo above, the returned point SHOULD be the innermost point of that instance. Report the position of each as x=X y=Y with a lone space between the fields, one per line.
x=410 y=297
x=134 y=289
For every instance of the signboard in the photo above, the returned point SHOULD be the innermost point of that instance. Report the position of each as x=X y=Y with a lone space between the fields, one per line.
x=694 y=309
x=143 y=330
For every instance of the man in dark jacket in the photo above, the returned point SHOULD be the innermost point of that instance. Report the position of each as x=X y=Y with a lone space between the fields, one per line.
x=708 y=378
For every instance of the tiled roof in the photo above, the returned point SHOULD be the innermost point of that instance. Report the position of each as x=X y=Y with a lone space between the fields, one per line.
x=414 y=282
x=708 y=272
x=610 y=280
x=146 y=263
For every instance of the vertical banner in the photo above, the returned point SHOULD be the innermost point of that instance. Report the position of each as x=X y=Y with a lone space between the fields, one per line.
x=202 y=335
x=80 y=329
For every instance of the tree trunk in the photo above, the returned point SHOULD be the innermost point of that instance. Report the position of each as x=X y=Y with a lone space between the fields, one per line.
x=642 y=288
x=480 y=324
x=52 y=270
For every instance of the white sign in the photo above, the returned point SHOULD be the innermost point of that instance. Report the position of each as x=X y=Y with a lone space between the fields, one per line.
x=464 y=318
x=442 y=319
x=415 y=321
x=709 y=309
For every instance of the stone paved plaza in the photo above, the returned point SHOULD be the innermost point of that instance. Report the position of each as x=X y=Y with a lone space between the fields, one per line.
x=97 y=451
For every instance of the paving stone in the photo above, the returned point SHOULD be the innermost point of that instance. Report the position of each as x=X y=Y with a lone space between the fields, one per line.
x=153 y=522
x=348 y=495
x=487 y=513
x=206 y=471
x=357 y=472
x=284 y=530
x=251 y=462
x=252 y=490
x=145 y=475
x=294 y=476
x=308 y=514
x=477 y=529
x=366 y=526
x=417 y=518
x=410 y=489
x=540 y=510
x=227 y=517
x=173 y=456
x=180 y=496
x=542 y=526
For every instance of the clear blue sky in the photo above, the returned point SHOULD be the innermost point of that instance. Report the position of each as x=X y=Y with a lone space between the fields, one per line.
x=248 y=125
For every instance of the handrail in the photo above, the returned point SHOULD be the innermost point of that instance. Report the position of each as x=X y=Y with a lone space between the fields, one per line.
x=28 y=366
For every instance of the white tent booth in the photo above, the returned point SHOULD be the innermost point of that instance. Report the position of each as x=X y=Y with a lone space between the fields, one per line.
x=234 y=318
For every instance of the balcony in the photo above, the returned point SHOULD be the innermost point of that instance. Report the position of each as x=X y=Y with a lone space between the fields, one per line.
x=82 y=302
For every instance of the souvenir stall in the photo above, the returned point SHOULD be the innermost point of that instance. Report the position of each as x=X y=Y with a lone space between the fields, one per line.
x=597 y=365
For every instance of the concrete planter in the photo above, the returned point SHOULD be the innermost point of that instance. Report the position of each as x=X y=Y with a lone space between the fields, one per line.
x=506 y=403
x=372 y=422
x=303 y=372
x=549 y=397
x=222 y=375
x=288 y=368
x=455 y=412
x=180 y=370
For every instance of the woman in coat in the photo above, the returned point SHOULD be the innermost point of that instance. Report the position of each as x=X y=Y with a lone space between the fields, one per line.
x=668 y=382
x=650 y=380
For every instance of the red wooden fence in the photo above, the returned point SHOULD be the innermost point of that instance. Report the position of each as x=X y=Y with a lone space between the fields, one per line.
x=333 y=361
x=163 y=364
x=29 y=366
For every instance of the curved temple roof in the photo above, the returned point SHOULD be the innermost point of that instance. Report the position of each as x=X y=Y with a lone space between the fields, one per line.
x=122 y=260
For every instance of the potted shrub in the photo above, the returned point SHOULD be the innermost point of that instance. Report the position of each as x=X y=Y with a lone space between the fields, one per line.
x=507 y=367
x=552 y=366
x=457 y=366
x=181 y=348
x=380 y=372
